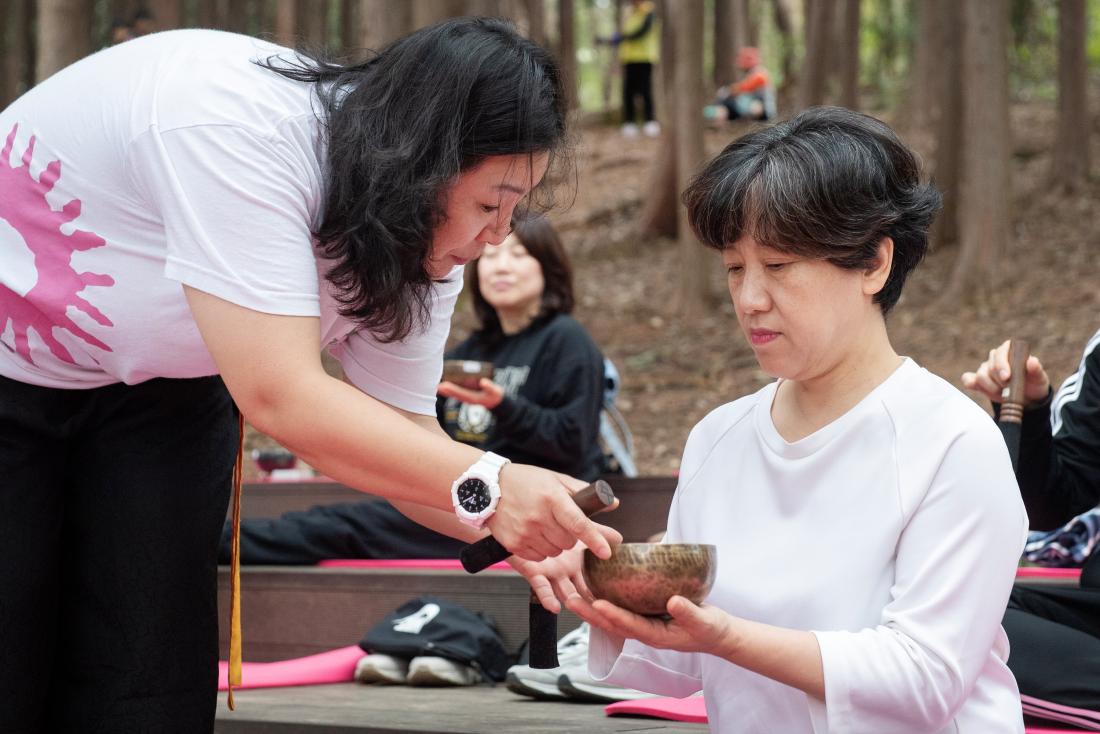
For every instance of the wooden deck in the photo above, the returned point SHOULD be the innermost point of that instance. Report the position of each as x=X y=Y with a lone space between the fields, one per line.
x=353 y=708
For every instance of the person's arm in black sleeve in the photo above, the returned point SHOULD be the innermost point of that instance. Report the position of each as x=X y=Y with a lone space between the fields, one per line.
x=564 y=429
x=1059 y=472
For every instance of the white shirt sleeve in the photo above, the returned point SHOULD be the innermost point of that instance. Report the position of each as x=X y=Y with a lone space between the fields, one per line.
x=955 y=566
x=236 y=209
x=404 y=373
x=634 y=665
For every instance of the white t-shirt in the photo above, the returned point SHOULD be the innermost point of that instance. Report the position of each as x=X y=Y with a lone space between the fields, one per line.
x=173 y=159
x=892 y=534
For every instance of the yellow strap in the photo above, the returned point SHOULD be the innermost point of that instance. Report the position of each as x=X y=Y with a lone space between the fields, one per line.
x=235 y=572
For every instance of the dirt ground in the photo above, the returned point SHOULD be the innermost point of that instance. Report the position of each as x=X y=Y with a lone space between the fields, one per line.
x=675 y=372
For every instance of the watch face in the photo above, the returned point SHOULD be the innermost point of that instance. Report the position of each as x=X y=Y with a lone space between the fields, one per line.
x=473 y=495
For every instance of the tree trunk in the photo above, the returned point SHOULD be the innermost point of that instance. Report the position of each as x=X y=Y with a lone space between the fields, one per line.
x=535 y=12
x=313 y=22
x=1071 y=145
x=16 y=68
x=167 y=14
x=286 y=22
x=659 y=215
x=848 y=51
x=729 y=37
x=63 y=34
x=785 y=26
x=206 y=13
x=816 y=64
x=427 y=12
x=949 y=88
x=237 y=16
x=687 y=18
x=383 y=21
x=567 y=51
x=927 y=78
x=984 y=224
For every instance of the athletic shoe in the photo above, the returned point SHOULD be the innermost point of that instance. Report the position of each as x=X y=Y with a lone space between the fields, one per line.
x=651 y=129
x=435 y=671
x=378 y=668
x=629 y=130
x=578 y=685
x=542 y=683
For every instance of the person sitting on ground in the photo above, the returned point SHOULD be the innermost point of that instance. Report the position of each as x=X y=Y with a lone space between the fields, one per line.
x=882 y=494
x=1055 y=631
x=542 y=406
x=749 y=98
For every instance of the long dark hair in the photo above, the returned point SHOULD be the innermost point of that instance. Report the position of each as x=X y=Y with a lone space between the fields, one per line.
x=400 y=128
x=828 y=183
x=541 y=241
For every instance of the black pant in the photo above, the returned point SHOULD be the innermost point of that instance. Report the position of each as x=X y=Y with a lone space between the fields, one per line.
x=637 y=81
x=111 y=504
x=368 y=529
x=1054 y=634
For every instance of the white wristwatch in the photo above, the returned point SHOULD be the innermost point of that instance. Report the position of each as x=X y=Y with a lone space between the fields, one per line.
x=477 y=490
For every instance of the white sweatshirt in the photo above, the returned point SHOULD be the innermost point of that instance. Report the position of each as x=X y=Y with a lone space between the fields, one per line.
x=892 y=534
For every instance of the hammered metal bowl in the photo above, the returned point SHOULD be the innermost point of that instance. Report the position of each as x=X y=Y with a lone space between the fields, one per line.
x=642 y=577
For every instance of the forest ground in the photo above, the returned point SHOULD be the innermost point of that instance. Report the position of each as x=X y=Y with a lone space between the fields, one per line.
x=674 y=372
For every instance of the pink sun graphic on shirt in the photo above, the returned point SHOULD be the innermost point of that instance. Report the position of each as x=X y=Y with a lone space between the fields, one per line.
x=57 y=287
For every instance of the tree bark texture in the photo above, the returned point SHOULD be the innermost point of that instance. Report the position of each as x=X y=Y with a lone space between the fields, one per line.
x=313 y=22
x=15 y=35
x=984 y=223
x=427 y=12
x=167 y=14
x=687 y=17
x=926 y=80
x=567 y=51
x=64 y=34
x=730 y=34
x=535 y=15
x=848 y=50
x=383 y=21
x=659 y=217
x=949 y=89
x=785 y=25
x=815 y=66
x=1071 y=144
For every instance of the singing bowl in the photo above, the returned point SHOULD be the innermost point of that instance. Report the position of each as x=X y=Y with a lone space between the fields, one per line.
x=642 y=577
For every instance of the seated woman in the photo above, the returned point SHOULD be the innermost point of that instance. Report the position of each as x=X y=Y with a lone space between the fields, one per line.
x=863 y=509
x=542 y=406
x=750 y=98
x=1055 y=630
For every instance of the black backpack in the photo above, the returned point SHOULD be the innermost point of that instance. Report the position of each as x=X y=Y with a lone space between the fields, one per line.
x=428 y=625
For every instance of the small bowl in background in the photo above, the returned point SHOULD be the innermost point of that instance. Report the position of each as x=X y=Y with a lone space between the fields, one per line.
x=642 y=577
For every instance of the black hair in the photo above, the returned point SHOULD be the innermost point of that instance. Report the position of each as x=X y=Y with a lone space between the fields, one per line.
x=400 y=128
x=828 y=183
x=541 y=241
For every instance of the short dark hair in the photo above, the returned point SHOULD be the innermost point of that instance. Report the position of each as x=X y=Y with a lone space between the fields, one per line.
x=828 y=183
x=541 y=241
x=400 y=128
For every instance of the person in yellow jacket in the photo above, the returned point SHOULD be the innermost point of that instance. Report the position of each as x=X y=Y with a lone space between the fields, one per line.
x=639 y=50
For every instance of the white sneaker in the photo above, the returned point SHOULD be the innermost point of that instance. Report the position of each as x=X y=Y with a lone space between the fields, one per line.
x=651 y=129
x=435 y=671
x=629 y=130
x=543 y=684
x=378 y=668
x=577 y=684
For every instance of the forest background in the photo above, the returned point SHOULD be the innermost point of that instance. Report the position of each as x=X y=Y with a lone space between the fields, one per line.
x=998 y=96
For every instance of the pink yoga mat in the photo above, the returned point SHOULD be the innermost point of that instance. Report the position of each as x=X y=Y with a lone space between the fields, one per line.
x=427 y=564
x=334 y=666
x=690 y=710
x=1038 y=572
x=694 y=711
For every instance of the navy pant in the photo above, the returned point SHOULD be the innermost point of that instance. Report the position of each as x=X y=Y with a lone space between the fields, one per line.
x=111 y=506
